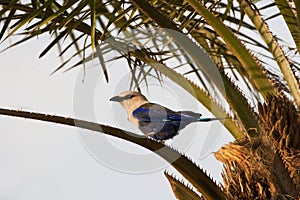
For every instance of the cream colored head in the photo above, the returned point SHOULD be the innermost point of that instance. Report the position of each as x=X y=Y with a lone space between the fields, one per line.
x=130 y=100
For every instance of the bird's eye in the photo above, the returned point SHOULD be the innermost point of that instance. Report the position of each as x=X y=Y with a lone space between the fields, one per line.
x=129 y=96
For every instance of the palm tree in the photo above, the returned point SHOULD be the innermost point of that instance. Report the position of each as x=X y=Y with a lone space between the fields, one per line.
x=208 y=41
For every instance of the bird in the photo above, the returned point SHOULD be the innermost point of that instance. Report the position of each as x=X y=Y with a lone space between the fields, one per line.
x=154 y=120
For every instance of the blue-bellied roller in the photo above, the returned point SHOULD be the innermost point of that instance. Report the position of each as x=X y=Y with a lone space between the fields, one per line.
x=154 y=120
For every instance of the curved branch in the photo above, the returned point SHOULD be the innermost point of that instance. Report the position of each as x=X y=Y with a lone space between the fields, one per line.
x=183 y=165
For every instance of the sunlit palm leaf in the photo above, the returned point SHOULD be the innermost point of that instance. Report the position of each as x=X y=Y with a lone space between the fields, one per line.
x=275 y=49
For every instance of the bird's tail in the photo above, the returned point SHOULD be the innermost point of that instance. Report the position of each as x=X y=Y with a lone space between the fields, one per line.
x=209 y=119
x=201 y=119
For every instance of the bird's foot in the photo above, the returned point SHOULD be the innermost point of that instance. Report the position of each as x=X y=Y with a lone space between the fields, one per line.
x=150 y=134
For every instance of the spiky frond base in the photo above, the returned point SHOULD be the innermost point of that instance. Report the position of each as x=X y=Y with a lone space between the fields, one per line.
x=267 y=166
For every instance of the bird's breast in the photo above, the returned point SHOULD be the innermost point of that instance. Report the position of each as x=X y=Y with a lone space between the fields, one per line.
x=133 y=119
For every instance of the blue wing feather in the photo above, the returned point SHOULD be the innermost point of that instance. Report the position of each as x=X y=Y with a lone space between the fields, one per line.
x=163 y=122
x=154 y=112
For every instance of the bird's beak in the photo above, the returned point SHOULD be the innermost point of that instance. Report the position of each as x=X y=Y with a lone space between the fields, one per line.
x=116 y=98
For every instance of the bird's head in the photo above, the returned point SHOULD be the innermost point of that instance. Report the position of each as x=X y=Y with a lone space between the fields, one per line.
x=130 y=100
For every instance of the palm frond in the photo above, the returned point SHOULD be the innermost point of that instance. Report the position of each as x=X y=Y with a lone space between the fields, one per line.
x=180 y=162
x=182 y=191
x=275 y=49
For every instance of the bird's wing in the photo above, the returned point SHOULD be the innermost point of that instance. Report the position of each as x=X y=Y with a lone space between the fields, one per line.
x=151 y=112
